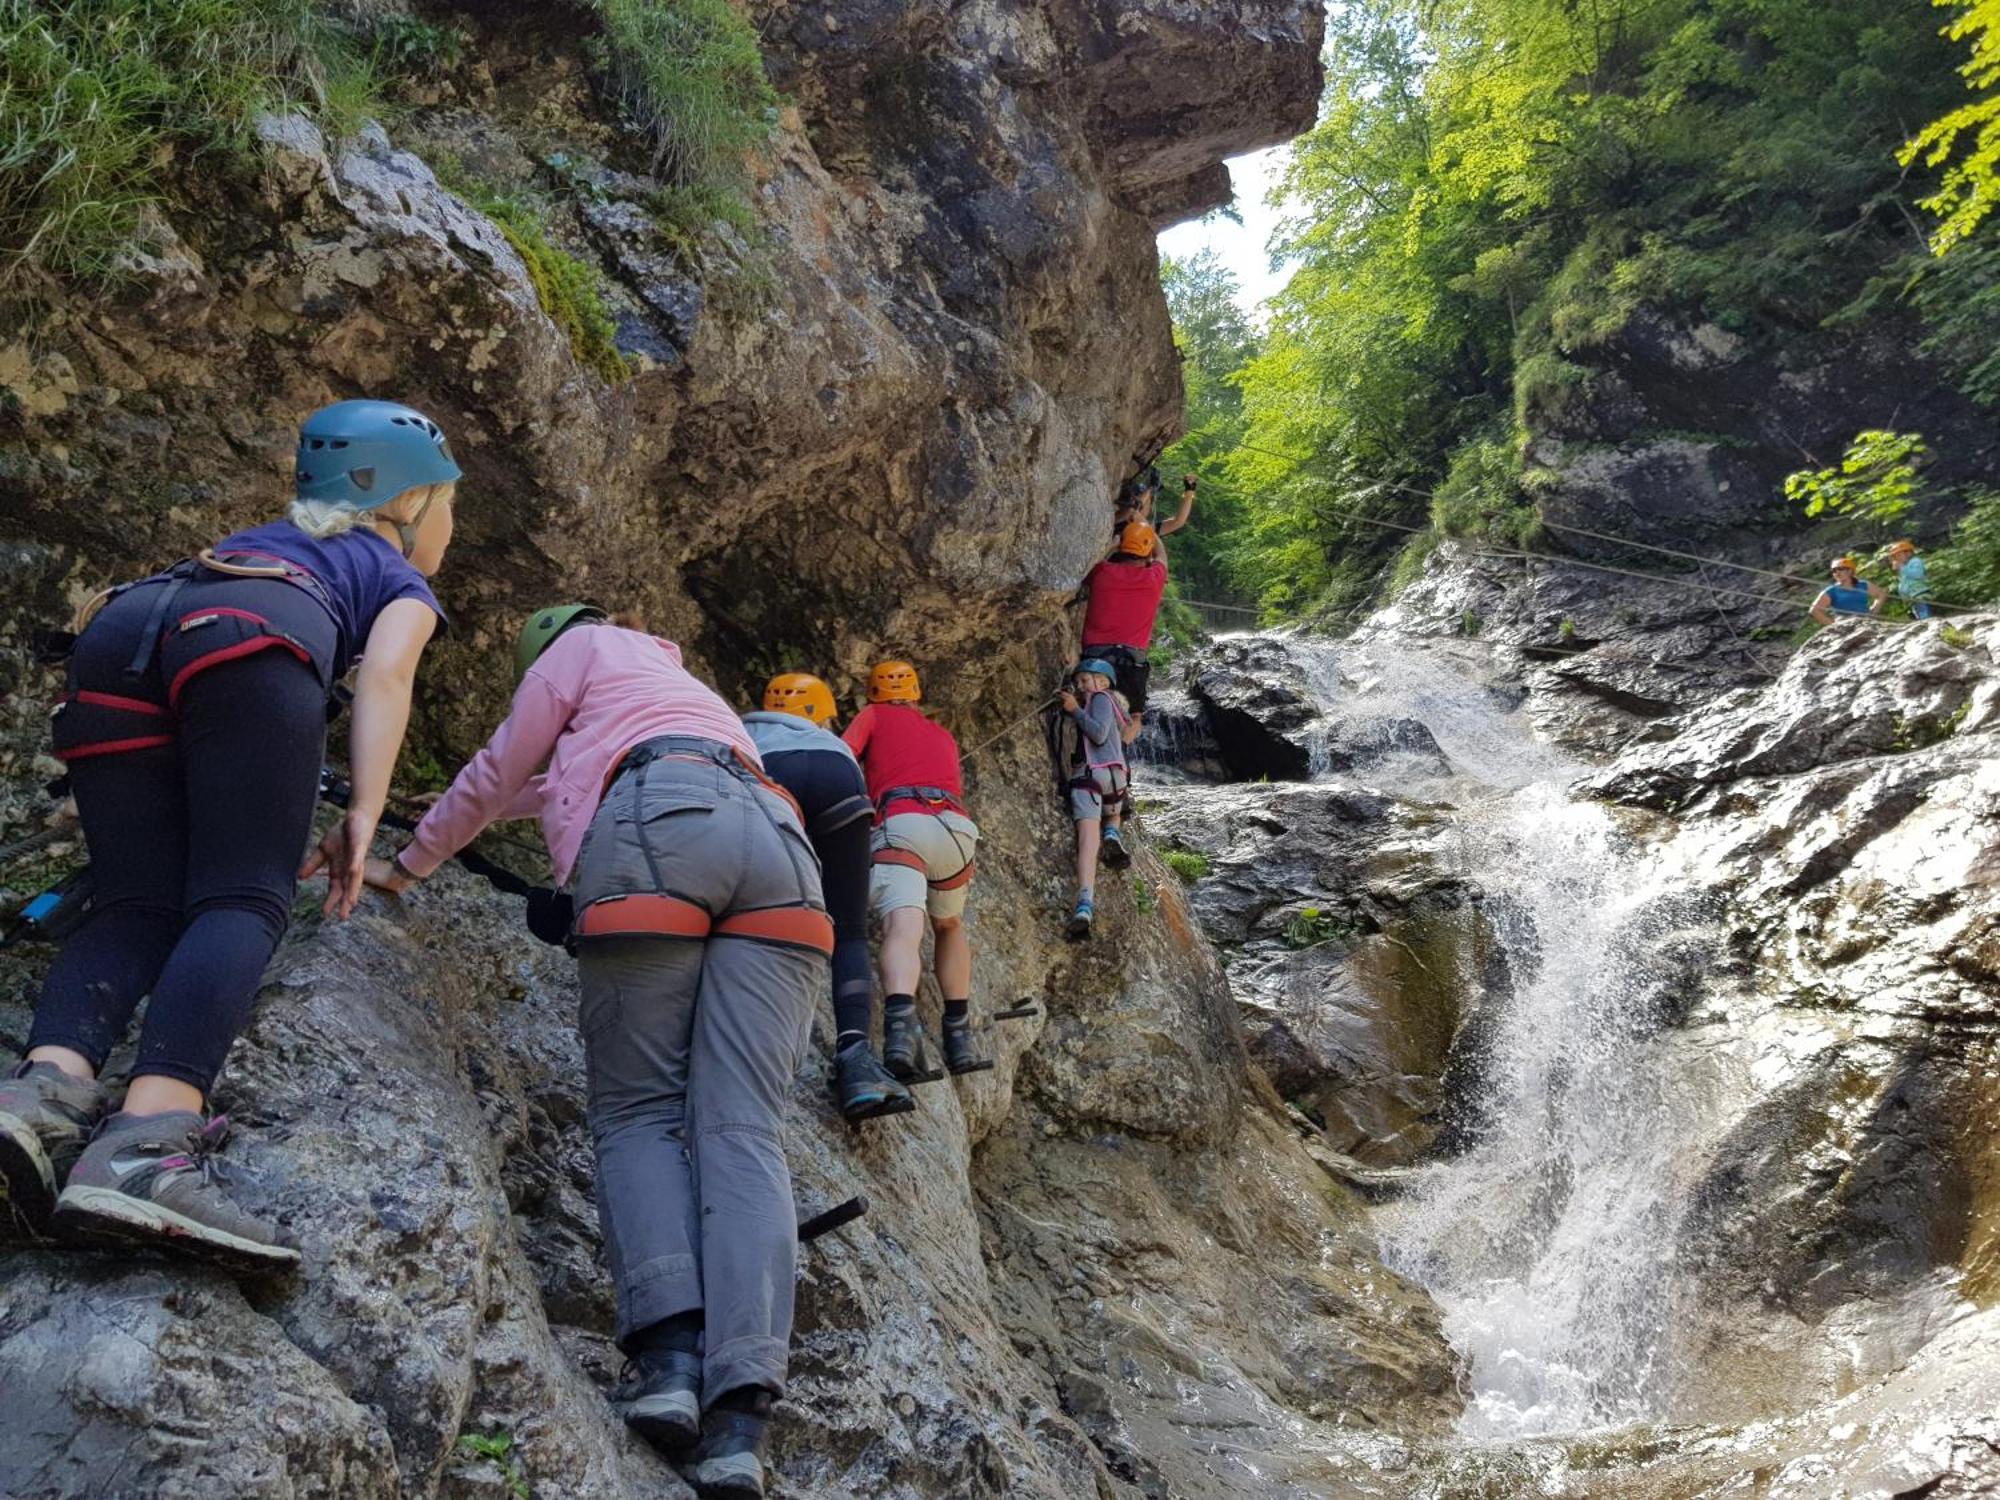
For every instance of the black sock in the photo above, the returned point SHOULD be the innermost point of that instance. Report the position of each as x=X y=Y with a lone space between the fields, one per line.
x=957 y=1012
x=848 y=1040
x=680 y=1334
x=746 y=1400
x=899 y=1005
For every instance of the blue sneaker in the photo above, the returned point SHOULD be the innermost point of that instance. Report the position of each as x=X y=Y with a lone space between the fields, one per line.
x=1114 y=853
x=1081 y=918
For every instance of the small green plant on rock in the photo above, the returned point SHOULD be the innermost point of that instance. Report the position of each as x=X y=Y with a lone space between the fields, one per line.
x=1958 y=637
x=1187 y=864
x=571 y=290
x=1921 y=734
x=1311 y=925
x=1142 y=896
x=1469 y=623
x=497 y=1448
x=411 y=45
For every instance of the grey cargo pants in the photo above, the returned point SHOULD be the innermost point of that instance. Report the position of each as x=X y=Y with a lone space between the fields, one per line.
x=691 y=1043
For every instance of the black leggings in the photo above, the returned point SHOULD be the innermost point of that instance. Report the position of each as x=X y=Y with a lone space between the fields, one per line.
x=194 y=848
x=822 y=780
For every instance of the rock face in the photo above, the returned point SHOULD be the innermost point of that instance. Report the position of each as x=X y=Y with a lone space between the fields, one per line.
x=1679 y=434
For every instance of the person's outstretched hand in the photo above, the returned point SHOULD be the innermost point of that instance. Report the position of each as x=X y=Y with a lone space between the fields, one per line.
x=1068 y=701
x=343 y=854
x=386 y=875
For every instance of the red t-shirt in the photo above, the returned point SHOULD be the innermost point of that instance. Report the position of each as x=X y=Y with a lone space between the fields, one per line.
x=1124 y=602
x=899 y=746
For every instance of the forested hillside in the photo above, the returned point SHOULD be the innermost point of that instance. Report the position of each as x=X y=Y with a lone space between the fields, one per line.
x=1510 y=206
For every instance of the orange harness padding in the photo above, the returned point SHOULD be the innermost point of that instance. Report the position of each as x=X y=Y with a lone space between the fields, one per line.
x=647 y=914
x=642 y=914
x=909 y=859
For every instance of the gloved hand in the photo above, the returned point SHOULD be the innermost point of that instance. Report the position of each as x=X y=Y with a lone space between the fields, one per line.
x=550 y=915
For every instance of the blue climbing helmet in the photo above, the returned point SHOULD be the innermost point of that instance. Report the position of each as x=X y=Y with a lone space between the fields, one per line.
x=1101 y=667
x=363 y=454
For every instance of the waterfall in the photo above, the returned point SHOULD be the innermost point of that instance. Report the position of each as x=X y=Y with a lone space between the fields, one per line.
x=1549 y=1243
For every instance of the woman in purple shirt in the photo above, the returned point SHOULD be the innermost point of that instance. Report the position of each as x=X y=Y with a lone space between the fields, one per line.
x=194 y=730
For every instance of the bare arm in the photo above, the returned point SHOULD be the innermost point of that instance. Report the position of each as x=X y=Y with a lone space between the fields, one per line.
x=380 y=714
x=1822 y=609
x=1180 y=518
x=1875 y=598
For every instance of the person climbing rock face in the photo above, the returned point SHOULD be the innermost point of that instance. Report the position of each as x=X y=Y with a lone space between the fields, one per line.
x=923 y=850
x=701 y=940
x=1913 y=580
x=794 y=734
x=1124 y=593
x=194 y=729
x=1135 y=503
x=1097 y=783
x=1846 y=595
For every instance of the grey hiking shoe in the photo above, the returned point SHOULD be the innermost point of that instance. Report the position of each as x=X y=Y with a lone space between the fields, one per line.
x=46 y=1118
x=903 y=1045
x=727 y=1465
x=153 y=1180
x=663 y=1405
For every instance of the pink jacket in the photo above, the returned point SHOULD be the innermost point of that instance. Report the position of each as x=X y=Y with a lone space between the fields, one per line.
x=593 y=695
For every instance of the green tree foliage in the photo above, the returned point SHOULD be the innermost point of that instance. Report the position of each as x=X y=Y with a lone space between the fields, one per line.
x=1971 y=185
x=1876 y=479
x=1216 y=341
x=1496 y=187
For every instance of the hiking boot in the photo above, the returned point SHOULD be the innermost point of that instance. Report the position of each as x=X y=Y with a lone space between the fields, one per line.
x=153 y=1180
x=1080 y=919
x=46 y=1118
x=864 y=1089
x=727 y=1466
x=664 y=1404
x=959 y=1056
x=1114 y=852
x=903 y=1045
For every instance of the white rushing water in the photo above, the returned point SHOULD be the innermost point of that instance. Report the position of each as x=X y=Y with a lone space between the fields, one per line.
x=1549 y=1243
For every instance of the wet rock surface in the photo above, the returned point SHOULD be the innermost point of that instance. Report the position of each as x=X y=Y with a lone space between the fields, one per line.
x=1803 y=1002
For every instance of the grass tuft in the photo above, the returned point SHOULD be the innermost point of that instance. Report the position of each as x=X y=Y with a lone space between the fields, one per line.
x=692 y=77
x=102 y=103
x=1187 y=864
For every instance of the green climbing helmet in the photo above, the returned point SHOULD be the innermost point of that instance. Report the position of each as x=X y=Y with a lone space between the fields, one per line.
x=541 y=628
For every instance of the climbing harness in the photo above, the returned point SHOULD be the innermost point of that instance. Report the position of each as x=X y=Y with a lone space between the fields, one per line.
x=662 y=912
x=88 y=722
x=933 y=802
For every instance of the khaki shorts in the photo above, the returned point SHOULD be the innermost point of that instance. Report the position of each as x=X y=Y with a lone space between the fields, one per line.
x=923 y=860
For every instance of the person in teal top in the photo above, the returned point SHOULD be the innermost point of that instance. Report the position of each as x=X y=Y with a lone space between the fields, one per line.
x=1846 y=595
x=1913 y=583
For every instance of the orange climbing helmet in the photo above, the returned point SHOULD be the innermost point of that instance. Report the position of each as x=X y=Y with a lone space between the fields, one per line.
x=1902 y=545
x=894 y=682
x=800 y=693
x=1842 y=562
x=1138 y=539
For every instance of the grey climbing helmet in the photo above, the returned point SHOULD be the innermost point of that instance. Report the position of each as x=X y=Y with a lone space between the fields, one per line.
x=363 y=454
